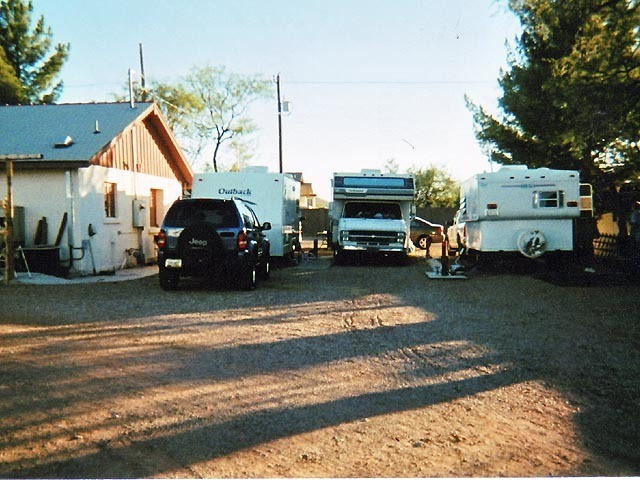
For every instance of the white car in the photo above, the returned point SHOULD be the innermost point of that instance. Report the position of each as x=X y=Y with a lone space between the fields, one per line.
x=457 y=233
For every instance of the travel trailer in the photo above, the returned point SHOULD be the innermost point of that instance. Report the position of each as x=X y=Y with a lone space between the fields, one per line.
x=517 y=209
x=275 y=197
x=371 y=213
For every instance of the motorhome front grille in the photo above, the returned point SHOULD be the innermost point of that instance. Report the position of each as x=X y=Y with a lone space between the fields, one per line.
x=372 y=238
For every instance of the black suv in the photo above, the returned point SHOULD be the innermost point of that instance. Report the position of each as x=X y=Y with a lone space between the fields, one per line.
x=207 y=237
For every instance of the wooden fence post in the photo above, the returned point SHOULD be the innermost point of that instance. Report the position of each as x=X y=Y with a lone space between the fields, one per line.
x=9 y=267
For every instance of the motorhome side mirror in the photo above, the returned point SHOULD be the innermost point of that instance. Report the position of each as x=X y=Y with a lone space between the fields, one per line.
x=266 y=226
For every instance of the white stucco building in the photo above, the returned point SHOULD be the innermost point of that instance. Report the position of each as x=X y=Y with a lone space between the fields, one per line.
x=106 y=175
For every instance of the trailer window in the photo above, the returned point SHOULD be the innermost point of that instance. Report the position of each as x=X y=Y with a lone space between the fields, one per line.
x=548 y=199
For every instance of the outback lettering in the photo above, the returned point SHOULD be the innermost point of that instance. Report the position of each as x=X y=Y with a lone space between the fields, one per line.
x=234 y=191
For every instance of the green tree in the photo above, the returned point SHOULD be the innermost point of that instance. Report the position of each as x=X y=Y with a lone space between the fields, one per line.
x=391 y=166
x=177 y=104
x=241 y=151
x=10 y=88
x=25 y=56
x=435 y=188
x=571 y=93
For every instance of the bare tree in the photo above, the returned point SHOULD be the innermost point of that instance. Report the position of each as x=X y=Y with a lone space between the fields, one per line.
x=224 y=100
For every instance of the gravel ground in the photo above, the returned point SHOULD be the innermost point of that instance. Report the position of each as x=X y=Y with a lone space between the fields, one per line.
x=324 y=371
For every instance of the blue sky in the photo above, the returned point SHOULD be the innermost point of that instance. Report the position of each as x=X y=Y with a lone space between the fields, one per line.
x=368 y=80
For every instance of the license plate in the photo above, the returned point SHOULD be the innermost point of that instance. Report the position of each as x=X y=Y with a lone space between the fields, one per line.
x=173 y=263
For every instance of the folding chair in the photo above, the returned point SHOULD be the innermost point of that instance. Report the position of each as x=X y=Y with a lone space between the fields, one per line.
x=18 y=253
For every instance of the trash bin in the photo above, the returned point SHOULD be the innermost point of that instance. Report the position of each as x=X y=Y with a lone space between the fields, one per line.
x=42 y=260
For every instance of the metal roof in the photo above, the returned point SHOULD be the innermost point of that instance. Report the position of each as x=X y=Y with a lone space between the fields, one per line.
x=64 y=132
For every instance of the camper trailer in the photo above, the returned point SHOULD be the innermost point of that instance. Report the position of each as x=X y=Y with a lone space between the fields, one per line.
x=517 y=209
x=275 y=197
x=371 y=213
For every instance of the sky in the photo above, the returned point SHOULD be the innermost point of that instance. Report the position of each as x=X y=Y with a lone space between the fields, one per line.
x=367 y=80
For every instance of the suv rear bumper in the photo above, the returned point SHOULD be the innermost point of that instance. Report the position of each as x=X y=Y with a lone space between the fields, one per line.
x=209 y=267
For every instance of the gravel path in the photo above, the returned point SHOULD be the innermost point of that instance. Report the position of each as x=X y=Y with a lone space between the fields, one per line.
x=351 y=371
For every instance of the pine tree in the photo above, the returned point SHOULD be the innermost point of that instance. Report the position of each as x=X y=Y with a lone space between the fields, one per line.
x=571 y=94
x=28 y=71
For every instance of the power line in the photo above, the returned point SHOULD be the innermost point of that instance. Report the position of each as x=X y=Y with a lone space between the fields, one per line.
x=335 y=82
x=390 y=82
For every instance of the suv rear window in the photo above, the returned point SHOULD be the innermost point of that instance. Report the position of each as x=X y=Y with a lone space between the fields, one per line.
x=219 y=214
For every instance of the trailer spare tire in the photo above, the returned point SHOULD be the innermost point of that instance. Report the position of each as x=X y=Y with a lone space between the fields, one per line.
x=199 y=245
x=532 y=244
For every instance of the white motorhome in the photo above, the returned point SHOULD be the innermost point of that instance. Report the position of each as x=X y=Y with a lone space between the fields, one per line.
x=517 y=209
x=275 y=197
x=371 y=212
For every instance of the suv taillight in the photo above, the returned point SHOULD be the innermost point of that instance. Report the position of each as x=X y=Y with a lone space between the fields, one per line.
x=161 y=239
x=243 y=240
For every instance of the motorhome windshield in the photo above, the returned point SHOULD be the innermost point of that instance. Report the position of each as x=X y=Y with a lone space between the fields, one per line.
x=369 y=182
x=390 y=211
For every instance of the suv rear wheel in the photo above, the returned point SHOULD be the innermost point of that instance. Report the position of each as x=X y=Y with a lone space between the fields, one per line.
x=169 y=278
x=247 y=277
x=265 y=268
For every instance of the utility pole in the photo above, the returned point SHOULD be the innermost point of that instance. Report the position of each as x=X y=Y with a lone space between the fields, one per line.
x=143 y=80
x=279 y=122
x=132 y=100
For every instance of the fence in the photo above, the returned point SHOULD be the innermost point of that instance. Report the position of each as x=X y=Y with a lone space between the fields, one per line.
x=607 y=247
x=615 y=248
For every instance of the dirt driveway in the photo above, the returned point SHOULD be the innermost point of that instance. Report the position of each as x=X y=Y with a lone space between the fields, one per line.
x=364 y=370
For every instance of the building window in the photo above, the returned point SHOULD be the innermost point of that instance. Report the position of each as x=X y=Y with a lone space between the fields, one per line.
x=109 y=200
x=155 y=206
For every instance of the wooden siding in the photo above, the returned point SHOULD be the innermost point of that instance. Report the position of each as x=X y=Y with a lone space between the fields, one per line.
x=151 y=156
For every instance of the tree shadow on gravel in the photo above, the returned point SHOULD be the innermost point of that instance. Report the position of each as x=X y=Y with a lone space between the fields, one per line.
x=600 y=369
x=562 y=273
x=193 y=443
x=534 y=339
